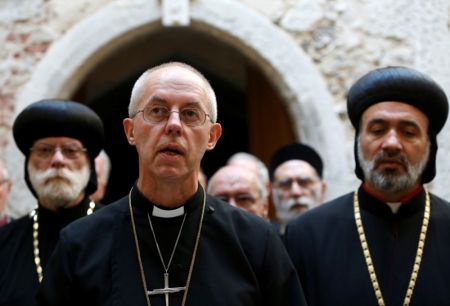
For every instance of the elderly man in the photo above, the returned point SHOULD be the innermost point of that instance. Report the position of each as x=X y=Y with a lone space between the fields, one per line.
x=253 y=163
x=5 y=192
x=297 y=185
x=60 y=140
x=387 y=243
x=168 y=242
x=103 y=169
x=241 y=188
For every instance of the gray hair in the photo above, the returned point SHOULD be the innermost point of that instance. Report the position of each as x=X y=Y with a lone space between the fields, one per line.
x=263 y=172
x=138 y=89
x=104 y=176
x=261 y=186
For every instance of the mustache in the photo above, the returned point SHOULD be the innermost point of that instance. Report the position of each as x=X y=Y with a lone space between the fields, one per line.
x=55 y=173
x=400 y=158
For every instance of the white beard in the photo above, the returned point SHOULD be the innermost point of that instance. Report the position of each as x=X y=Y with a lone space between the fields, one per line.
x=284 y=207
x=59 y=186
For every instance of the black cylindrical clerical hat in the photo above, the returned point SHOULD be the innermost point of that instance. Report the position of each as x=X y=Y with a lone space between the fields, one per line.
x=60 y=118
x=400 y=84
x=296 y=151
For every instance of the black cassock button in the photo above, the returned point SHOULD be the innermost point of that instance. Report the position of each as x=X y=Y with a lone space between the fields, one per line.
x=211 y=209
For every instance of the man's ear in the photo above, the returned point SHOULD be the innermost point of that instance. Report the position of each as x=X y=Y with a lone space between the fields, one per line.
x=214 y=135
x=128 y=125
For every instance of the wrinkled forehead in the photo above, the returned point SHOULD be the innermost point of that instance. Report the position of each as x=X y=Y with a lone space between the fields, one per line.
x=174 y=82
x=295 y=169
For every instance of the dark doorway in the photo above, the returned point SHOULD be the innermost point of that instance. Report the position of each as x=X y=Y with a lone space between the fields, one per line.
x=249 y=109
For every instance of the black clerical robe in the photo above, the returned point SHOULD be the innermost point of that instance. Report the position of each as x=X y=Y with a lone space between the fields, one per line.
x=325 y=248
x=18 y=277
x=240 y=260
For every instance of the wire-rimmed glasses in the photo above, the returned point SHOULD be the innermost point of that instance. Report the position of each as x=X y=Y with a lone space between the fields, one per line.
x=159 y=114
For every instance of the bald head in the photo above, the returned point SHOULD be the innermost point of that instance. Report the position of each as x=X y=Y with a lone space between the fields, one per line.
x=139 y=87
x=241 y=188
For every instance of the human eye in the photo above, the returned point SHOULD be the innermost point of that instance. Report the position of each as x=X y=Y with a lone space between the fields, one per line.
x=191 y=113
x=157 y=110
x=71 y=151
x=245 y=200
x=44 y=149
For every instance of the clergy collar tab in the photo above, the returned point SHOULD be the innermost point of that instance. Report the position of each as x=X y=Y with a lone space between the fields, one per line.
x=163 y=213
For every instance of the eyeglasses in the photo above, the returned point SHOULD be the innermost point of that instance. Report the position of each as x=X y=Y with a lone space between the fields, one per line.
x=285 y=184
x=244 y=201
x=45 y=150
x=159 y=114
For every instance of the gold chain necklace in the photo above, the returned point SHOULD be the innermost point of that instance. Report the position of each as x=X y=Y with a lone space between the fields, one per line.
x=37 y=259
x=369 y=262
x=141 y=267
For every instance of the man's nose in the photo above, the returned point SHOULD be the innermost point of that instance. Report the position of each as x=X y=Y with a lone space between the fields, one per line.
x=174 y=123
x=392 y=142
x=57 y=158
x=297 y=190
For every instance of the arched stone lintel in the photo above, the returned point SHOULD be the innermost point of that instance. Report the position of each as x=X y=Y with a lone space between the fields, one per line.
x=306 y=97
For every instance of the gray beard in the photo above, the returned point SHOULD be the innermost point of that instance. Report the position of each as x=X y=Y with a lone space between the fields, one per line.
x=283 y=207
x=59 y=186
x=390 y=181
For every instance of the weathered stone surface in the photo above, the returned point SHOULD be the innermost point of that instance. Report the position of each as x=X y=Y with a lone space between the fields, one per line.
x=302 y=16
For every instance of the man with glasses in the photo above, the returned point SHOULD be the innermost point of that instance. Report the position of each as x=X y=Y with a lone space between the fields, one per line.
x=167 y=241
x=297 y=185
x=5 y=192
x=241 y=188
x=60 y=140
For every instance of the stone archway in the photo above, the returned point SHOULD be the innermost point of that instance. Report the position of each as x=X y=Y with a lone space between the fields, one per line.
x=291 y=72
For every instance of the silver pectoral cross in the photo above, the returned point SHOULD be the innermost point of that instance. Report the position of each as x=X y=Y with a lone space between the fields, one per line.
x=166 y=290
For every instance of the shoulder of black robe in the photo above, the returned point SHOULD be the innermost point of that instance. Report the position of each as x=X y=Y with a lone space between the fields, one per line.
x=18 y=277
x=324 y=246
x=240 y=261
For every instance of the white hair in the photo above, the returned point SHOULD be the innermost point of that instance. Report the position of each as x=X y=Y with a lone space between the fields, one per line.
x=104 y=176
x=138 y=89
x=263 y=172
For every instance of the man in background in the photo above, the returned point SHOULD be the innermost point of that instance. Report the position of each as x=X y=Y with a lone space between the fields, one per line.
x=297 y=185
x=103 y=169
x=60 y=140
x=241 y=188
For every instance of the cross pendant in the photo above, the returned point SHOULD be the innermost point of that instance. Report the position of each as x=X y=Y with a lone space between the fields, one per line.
x=166 y=290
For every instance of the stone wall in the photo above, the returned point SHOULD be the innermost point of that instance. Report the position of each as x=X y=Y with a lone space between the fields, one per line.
x=344 y=39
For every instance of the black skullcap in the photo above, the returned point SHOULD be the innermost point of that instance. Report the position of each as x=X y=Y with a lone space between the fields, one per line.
x=60 y=118
x=296 y=151
x=400 y=84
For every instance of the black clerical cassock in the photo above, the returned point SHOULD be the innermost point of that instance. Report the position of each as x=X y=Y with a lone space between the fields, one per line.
x=18 y=270
x=325 y=248
x=239 y=259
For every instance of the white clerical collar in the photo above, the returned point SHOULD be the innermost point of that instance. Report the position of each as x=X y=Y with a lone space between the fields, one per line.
x=395 y=206
x=161 y=213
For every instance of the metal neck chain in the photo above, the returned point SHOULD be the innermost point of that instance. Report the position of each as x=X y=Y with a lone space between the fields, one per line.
x=157 y=245
x=37 y=259
x=141 y=267
x=369 y=262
